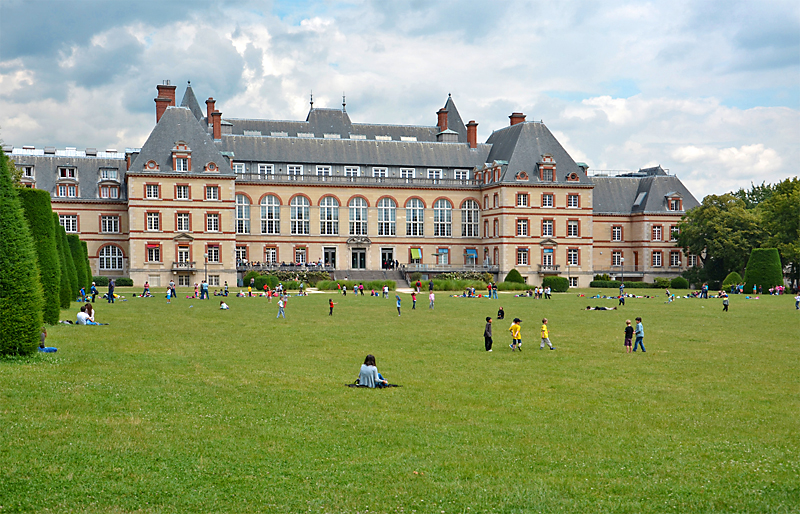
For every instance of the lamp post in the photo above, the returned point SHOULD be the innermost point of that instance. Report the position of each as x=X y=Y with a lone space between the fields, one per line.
x=622 y=269
x=206 y=258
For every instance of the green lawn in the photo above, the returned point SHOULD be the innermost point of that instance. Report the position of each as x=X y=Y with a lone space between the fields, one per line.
x=179 y=409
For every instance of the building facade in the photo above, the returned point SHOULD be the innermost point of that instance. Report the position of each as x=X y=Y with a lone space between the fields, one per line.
x=205 y=194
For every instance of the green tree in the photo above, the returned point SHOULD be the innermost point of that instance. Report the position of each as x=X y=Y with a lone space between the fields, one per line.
x=38 y=213
x=67 y=292
x=514 y=276
x=20 y=287
x=763 y=269
x=79 y=261
x=755 y=195
x=781 y=218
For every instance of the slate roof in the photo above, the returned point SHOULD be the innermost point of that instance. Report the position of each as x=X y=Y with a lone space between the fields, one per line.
x=190 y=101
x=88 y=171
x=617 y=195
x=454 y=121
x=180 y=124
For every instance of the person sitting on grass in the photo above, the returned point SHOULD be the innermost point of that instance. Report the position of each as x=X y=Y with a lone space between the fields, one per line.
x=89 y=310
x=83 y=318
x=42 y=348
x=223 y=306
x=369 y=376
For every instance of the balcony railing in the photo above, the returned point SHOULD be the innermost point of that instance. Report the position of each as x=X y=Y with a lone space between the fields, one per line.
x=259 y=266
x=549 y=268
x=184 y=266
x=488 y=268
x=362 y=180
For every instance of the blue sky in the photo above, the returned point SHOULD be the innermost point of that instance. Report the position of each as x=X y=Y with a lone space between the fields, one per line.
x=709 y=89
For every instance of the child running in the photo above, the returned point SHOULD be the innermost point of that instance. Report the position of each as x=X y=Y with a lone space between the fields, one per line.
x=398 y=303
x=169 y=294
x=516 y=335
x=628 y=336
x=545 y=336
x=331 y=303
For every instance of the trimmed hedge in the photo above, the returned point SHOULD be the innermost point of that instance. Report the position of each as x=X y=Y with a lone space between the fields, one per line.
x=85 y=248
x=556 y=284
x=21 y=300
x=679 y=283
x=615 y=285
x=512 y=286
x=763 y=269
x=331 y=285
x=76 y=250
x=732 y=278
x=309 y=277
x=661 y=283
x=123 y=281
x=38 y=212
x=65 y=293
x=514 y=276
x=100 y=281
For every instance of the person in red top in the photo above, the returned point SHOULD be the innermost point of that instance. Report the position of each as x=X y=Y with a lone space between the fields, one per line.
x=331 y=303
x=414 y=300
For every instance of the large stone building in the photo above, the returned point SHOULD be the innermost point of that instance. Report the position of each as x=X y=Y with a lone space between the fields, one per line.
x=204 y=194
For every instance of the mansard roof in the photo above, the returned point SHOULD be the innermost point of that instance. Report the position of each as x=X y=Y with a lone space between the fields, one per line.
x=645 y=191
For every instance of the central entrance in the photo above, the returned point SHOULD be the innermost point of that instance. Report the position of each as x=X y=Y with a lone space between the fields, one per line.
x=387 y=258
x=359 y=258
x=329 y=257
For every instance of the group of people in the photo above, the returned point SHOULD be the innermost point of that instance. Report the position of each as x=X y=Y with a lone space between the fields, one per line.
x=516 y=334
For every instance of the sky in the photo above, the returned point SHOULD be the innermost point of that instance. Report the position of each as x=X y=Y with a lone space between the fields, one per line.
x=709 y=90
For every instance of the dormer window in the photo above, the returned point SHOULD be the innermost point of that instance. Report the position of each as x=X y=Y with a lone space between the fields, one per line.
x=67 y=173
x=675 y=204
x=181 y=164
x=181 y=157
x=108 y=174
x=109 y=192
x=547 y=168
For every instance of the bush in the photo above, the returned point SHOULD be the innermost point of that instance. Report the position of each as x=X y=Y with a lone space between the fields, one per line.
x=331 y=285
x=603 y=278
x=38 y=212
x=20 y=287
x=556 y=284
x=763 y=269
x=514 y=276
x=466 y=275
x=65 y=293
x=308 y=277
x=731 y=279
x=76 y=250
x=459 y=285
x=85 y=249
x=661 y=283
x=615 y=285
x=679 y=283
x=100 y=281
x=512 y=286
x=124 y=281
x=415 y=276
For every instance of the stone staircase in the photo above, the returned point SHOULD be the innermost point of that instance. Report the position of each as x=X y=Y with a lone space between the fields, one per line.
x=370 y=275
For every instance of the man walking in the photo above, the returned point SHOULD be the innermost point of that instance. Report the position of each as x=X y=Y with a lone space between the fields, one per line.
x=111 y=285
x=639 y=335
x=280 y=309
x=494 y=290
x=487 y=334
x=93 y=291
x=172 y=288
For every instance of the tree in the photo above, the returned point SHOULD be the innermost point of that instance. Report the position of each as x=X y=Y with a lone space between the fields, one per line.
x=76 y=250
x=38 y=213
x=66 y=292
x=89 y=274
x=755 y=195
x=781 y=218
x=20 y=287
x=763 y=269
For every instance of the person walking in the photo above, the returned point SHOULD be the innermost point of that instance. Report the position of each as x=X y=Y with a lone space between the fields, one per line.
x=725 y=304
x=796 y=302
x=111 y=285
x=494 y=290
x=169 y=294
x=413 y=300
x=545 y=336
x=431 y=298
x=93 y=291
x=418 y=285
x=281 y=311
x=487 y=334
x=397 y=296
x=628 y=336
x=639 y=335
x=172 y=287
x=331 y=303
x=430 y=285
x=516 y=335
x=621 y=300
x=547 y=293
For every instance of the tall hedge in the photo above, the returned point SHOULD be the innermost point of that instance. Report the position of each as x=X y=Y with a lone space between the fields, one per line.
x=78 y=259
x=514 y=276
x=64 y=294
x=68 y=268
x=763 y=269
x=731 y=279
x=556 y=284
x=20 y=287
x=88 y=265
x=38 y=213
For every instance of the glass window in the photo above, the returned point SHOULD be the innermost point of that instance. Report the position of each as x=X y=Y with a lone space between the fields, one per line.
x=182 y=222
x=522 y=256
x=108 y=174
x=573 y=228
x=213 y=280
x=153 y=253
x=522 y=199
x=300 y=218
x=657 y=233
x=573 y=281
x=295 y=169
x=241 y=254
x=443 y=255
x=324 y=171
x=329 y=216
x=66 y=172
x=547 y=175
x=674 y=258
x=406 y=172
x=547 y=200
x=212 y=222
x=151 y=191
x=673 y=233
x=386 y=217
x=110 y=258
x=352 y=171
x=496 y=201
x=656 y=259
x=616 y=258
x=380 y=172
x=616 y=233
x=572 y=256
x=62 y=190
x=469 y=219
x=522 y=227
x=238 y=167
x=434 y=173
x=415 y=212
x=572 y=201
x=72 y=191
x=109 y=224
x=242 y=214
x=69 y=222
x=300 y=255
x=461 y=174
x=675 y=204
x=442 y=218
x=153 y=219
x=212 y=193
x=213 y=254
x=270 y=215
x=358 y=217
x=693 y=260
x=181 y=192
x=271 y=255
x=547 y=227
x=181 y=164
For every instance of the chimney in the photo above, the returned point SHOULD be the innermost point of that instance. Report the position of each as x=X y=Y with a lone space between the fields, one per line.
x=442 y=123
x=165 y=98
x=217 y=122
x=472 y=134
x=209 y=109
x=516 y=117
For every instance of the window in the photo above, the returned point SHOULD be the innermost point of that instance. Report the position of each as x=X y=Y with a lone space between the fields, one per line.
x=266 y=169
x=573 y=201
x=443 y=255
x=461 y=174
x=182 y=222
x=674 y=258
x=212 y=193
x=522 y=199
x=181 y=164
x=213 y=280
x=212 y=222
x=66 y=172
x=573 y=228
x=657 y=233
x=522 y=228
x=442 y=218
x=673 y=232
x=485 y=201
x=386 y=217
x=693 y=260
x=181 y=192
x=434 y=173
x=62 y=191
x=358 y=217
x=242 y=214
x=295 y=169
x=469 y=219
x=547 y=200
x=213 y=253
x=495 y=229
x=616 y=258
x=300 y=255
x=151 y=191
x=547 y=257
x=109 y=224
x=485 y=228
x=522 y=257
x=380 y=172
x=547 y=227
x=72 y=191
x=616 y=233
x=415 y=217
x=324 y=171
x=153 y=219
x=238 y=168
x=572 y=256
x=27 y=171
x=183 y=280
x=110 y=258
x=329 y=216
x=573 y=281
x=107 y=174
x=153 y=253
x=656 y=259
x=299 y=218
x=352 y=171
x=271 y=255
x=547 y=175
x=183 y=254
x=496 y=200
x=270 y=215
x=69 y=222
x=674 y=204
x=406 y=172
x=109 y=192
x=241 y=254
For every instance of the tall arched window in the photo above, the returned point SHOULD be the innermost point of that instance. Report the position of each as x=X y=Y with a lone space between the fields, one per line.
x=415 y=221
x=270 y=215
x=110 y=258
x=300 y=218
x=329 y=216
x=242 y=214
x=386 y=217
x=442 y=218
x=358 y=217
x=469 y=219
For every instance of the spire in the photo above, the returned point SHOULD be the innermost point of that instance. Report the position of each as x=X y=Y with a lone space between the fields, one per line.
x=312 y=99
x=343 y=103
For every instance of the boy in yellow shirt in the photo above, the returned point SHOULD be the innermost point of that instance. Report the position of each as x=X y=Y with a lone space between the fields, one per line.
x=516 y=335
x=545 y=336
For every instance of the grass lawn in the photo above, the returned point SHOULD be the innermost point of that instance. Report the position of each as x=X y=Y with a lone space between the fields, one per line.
x=179 y=409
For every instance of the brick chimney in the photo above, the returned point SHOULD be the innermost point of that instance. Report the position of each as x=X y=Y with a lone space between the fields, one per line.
x=516 y=117
x=472 y=134
x=442 y=123
x=217 y=122
x=165 y=98
x=209 y=109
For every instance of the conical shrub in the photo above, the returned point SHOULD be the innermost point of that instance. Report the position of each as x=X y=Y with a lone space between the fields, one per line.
x=38 y=213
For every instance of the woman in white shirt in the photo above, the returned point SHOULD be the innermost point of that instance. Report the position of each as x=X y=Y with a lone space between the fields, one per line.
x=369 y=375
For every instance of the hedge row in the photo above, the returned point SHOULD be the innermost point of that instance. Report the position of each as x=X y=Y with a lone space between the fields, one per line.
x=332 y=285
x=76 y=250
x=512 y=286
x=309 y=277
x=661 y=283
x=101 y=281
x=65 y=294
x=556 y=284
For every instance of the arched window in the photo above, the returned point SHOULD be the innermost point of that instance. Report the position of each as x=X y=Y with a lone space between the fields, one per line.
x=442 y=218
x=386 y=217
x=415 y=211
x=329 y=216
x=469 y=219
x=110 y=258
x=358 y=217
x=300 y=224
x=242 y=214
x=270 y=215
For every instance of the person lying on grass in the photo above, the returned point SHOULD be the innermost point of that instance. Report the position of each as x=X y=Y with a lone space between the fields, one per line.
x=369 y=376
x=590 y=308
x=223 y=306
